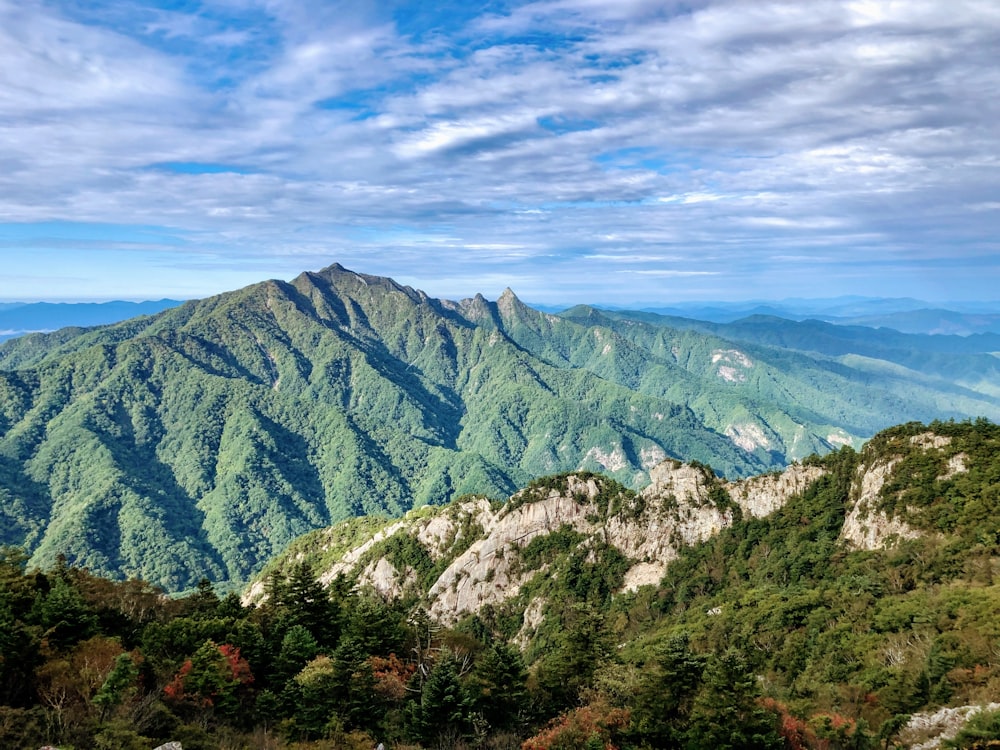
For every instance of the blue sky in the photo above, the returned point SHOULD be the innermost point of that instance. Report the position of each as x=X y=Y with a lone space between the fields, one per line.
x=612 y=151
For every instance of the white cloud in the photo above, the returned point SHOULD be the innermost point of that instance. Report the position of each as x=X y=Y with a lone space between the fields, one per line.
x=563 y=129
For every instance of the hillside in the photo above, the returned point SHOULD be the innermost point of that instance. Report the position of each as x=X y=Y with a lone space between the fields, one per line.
x=847 y=602
x=859 y=588
x=204 y=439
x=967 y=367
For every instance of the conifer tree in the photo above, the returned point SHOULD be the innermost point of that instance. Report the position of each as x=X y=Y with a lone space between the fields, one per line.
x=726 y=714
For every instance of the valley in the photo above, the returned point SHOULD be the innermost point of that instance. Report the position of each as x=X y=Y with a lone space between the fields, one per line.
x=202 y=440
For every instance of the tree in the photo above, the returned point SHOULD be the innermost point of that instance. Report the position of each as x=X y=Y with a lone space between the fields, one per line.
x=666 y=695
x=63 y=615
x=302 y=600
x=567 y=670
x=211 y=680
x=298 y=647
x=497 y=686
x=120 y=682
x=204 y=602
x=444 y=707
x=318 y=698
x=726 y=713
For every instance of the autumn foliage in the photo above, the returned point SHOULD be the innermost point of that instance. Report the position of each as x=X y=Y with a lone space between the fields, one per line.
x=595 y=725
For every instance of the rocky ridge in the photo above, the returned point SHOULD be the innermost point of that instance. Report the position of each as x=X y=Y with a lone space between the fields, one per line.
x=469 y=554
x=685 y=504
x=869 y=527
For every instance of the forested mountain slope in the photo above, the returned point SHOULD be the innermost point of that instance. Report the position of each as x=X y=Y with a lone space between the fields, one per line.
x=972 y=362
x=842 y=603
x=850 y=591
x=202 y=440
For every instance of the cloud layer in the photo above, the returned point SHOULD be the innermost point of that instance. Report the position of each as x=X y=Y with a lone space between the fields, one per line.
x=575 y=150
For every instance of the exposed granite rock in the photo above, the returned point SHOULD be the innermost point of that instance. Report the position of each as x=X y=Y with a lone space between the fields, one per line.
x=675 y=510
x=869 y=527
x=484 y=573
x=679 y=511
x=761 y=496
x=927 y=731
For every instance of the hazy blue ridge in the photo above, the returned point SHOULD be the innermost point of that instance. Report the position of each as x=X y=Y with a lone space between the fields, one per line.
x=203 y=439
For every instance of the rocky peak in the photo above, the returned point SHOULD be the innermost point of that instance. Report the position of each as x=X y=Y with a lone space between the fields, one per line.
x=478 y=310
x=509 y=305
x=685 y=504
x=867 y=525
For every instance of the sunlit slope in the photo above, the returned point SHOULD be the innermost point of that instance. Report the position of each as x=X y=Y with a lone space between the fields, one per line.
x=204 y=439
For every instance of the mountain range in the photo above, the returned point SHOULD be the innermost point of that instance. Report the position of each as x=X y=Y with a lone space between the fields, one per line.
x=202 y=440
x=20 y=318
x=905 y=315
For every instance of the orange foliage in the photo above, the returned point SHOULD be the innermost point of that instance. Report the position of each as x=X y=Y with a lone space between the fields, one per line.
x=579 y=727
x=213 y=679
x=174 y=690
x=238 y=666
x=391 y=676
x=794 y=731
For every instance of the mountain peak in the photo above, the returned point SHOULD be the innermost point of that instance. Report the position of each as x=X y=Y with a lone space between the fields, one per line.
x=508 y=303
x=334 y=269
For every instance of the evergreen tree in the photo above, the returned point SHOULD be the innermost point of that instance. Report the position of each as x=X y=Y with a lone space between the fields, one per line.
x=118 y=684
x=301 y=600
x=63 y=615
x=444 y=708
x=298 y=647
x=567 y=670
x=726 y=714
x=497 y=686
x=666 y=695
x=204 y=602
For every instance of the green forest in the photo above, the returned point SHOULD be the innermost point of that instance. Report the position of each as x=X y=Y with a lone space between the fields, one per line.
x=201 y=441
x=772 y=634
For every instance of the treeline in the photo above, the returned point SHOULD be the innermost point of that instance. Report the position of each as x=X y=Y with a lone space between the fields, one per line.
x=773 y=634
x=86 y=662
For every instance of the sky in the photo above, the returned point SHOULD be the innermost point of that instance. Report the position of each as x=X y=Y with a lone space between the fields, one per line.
x=601 y=151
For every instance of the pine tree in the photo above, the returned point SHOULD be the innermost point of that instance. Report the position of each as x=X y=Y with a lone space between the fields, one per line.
x=121 y=680
x=666 y=694
x=444 y=707
x=497 y=685
x=726 y=714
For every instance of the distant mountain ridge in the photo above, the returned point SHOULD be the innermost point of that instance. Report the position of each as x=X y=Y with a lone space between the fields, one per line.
x=202 y=440
x=905 y=315
x=19 y=318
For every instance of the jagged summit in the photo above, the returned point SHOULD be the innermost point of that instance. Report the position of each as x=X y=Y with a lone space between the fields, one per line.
x=510 y=305
x=202 y=440
x=473 y=555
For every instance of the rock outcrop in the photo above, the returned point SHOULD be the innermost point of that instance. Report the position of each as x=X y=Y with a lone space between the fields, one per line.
x=867 y=526
x=930 y=730
x=458 y=559
x=685 y=504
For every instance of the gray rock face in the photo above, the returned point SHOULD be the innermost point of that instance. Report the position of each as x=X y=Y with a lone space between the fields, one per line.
x=683 y=505
x=930 y=730
x=679 y=512
x=675 y=510
x=868 y=527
